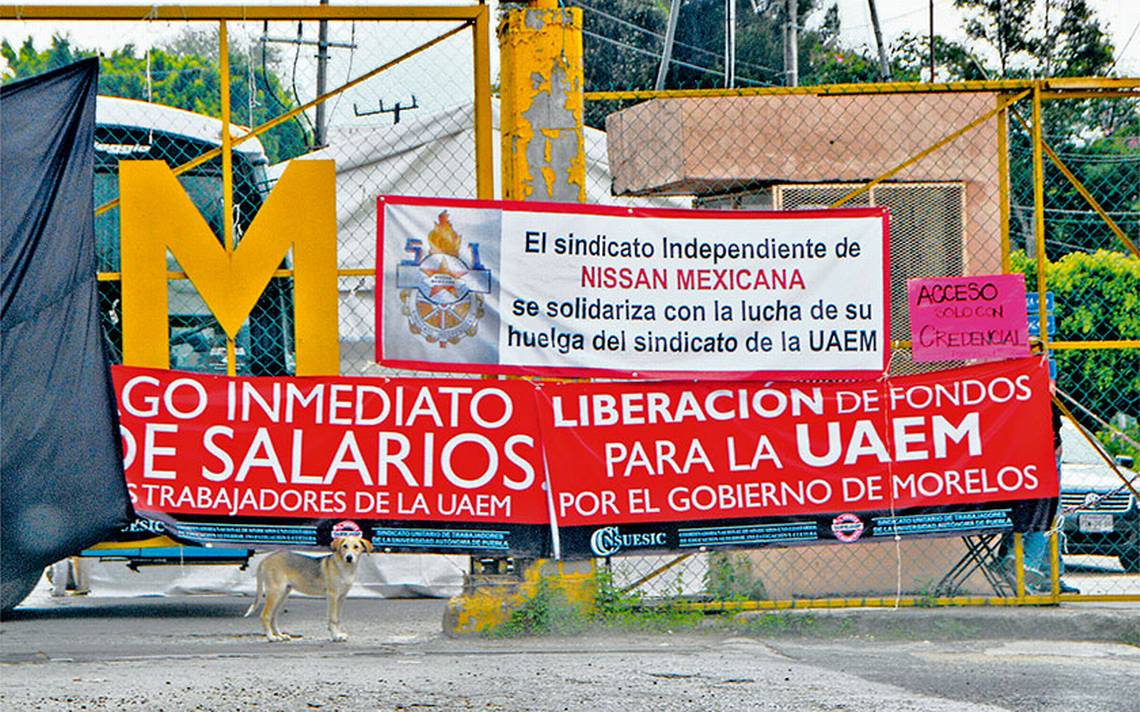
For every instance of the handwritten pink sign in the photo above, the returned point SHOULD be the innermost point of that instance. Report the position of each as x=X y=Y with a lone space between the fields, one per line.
x=980 y=317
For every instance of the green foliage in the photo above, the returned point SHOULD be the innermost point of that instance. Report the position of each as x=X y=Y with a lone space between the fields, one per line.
x=183 y=74
x=730 y=578
x=1097 y=299
x=926 y=594
x=624 y=40
x=615 y=608
x=1096 y=139
x=610 y=602
x=1117 y=445
x=910 y=55
x=546 y=612
x=1002 y=24
x=783 y=624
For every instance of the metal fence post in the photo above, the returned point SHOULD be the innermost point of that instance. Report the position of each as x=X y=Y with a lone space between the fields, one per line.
x=1055 y=566
x=227 y=172
x=1039 y=211
x=1019 y=564
x=1003 y=182
x=484 y=132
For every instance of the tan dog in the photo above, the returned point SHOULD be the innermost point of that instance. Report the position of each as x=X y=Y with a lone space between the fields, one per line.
x=329 y=576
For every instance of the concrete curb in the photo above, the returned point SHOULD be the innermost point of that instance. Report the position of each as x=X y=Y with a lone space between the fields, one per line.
x=1067 y=622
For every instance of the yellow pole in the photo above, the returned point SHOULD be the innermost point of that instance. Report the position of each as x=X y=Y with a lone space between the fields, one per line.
x=1039 y=215
x=484 y=132
x=227 y=172
x=543 y=149
x=1019 y=563
x=1003 y=183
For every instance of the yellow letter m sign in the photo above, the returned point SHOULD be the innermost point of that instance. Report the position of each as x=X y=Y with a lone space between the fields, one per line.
x=158 y=216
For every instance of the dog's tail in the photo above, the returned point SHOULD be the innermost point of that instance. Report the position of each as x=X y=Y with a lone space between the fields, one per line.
x=259 y=597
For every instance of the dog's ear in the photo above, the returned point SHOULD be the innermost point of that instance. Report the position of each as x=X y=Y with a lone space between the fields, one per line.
x=367 y=544
x=336 y=543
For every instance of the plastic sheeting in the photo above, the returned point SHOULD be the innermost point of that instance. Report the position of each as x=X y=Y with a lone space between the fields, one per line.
x=60 y=462
x=379 y=576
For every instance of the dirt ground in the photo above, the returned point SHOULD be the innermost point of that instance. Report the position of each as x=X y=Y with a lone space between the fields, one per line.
x=199 y=653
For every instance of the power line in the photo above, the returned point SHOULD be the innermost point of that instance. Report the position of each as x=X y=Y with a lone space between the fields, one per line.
x=1086 y=158
x=699 y=68
x=652 y=33
x=1120 y=53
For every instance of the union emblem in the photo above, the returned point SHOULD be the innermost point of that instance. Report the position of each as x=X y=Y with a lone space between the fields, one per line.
x=442 y=287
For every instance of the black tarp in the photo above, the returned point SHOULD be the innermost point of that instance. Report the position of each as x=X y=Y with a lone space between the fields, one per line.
x=61 y=482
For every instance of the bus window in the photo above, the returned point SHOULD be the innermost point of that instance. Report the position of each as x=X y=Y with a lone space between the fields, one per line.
x=135 y=130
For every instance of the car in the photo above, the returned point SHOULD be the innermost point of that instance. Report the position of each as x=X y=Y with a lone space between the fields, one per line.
x=1102 y=516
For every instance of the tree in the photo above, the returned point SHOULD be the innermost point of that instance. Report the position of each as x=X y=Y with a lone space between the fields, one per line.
x=1096 y=139
x=1004 y=25
x=1030 y=40
x=183 y=74
x=622 y=44
x=1097 y=297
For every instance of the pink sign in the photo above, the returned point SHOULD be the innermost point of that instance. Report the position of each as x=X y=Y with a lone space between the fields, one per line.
x=981 y=317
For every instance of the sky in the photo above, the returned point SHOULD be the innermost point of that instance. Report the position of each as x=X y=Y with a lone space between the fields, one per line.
x=896 y=17
x=447 y=82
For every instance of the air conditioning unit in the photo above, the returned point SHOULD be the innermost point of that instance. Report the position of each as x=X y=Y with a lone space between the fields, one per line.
x=927 y=225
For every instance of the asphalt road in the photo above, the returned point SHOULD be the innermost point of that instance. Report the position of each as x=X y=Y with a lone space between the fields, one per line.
x=199 y=653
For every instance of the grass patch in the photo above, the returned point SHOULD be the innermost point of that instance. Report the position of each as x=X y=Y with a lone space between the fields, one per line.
x=615 y=608
x=547 y=612
x=778 y=624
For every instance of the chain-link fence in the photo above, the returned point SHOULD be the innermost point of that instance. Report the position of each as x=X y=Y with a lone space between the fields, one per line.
x=955 y=167
x=397 y=105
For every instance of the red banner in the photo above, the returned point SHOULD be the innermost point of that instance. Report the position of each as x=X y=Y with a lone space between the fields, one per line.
x=462 y=465
x=622 y=453
x=319 y=449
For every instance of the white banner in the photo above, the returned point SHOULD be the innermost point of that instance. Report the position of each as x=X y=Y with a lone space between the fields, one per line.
x=587 y=290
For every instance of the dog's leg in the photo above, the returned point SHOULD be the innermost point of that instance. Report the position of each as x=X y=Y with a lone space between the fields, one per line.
x=335 y=600
x=274 y=600
x=260 y=593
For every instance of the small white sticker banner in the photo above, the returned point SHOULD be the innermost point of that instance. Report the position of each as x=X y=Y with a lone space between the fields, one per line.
x=560 y=289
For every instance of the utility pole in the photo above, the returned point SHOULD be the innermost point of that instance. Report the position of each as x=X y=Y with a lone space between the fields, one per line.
x=320 y=129
x=791 y=45
x=884 y=65
x=931 y=41
x=729 y=43
x=667 y=51
x=320 y=137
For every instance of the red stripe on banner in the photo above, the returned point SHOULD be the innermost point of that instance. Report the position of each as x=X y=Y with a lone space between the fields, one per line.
x=470 y=451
